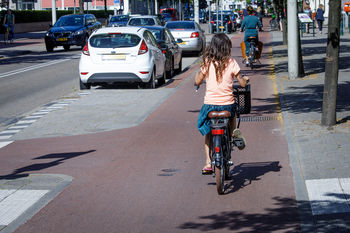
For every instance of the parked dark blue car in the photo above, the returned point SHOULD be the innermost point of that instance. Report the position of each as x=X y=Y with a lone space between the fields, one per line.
x=118 y=21
x=71 y=30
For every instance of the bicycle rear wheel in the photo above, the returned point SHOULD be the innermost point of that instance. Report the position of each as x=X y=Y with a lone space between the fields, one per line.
x=220 y=179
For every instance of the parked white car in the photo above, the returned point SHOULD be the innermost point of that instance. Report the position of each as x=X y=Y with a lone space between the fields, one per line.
x=121 y=54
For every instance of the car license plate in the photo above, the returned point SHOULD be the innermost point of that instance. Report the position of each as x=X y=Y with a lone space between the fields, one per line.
x=182 y=43
x=62 y=39
x=222 y=27
x=114 y=57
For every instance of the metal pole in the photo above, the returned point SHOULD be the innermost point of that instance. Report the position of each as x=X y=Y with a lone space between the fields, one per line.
x=217 y=16
x=196 y=11
x=209 y=23
x=293 y=42
x=222 y=23
x=53 y=5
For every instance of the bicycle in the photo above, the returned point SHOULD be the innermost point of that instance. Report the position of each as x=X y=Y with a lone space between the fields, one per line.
x=253 y=41
x=221 y=141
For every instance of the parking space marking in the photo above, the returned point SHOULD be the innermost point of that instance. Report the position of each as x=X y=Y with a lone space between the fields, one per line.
x=329 y=196
x=16 y=202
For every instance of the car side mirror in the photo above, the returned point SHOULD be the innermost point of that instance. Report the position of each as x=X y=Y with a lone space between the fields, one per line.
x=50 y=25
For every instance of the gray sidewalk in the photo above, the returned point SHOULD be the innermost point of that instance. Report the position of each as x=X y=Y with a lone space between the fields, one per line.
x=319 y=155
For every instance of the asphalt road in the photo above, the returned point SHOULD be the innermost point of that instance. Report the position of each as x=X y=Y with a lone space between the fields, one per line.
x=37 y=78
x=147 y=178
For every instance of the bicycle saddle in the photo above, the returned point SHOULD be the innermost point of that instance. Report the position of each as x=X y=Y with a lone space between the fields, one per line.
x=221 y=114
x=252 y=38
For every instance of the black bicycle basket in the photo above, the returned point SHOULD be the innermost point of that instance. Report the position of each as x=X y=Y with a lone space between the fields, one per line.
x=243 y=98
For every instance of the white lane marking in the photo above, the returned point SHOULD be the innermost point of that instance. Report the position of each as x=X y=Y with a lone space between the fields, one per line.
x=33 y=117
x=327 y=196
x=9 y=131
x=40 y=114
x=3 y=144
x=26 y=121
x=38 y=66
x=5 y=137
x=18 y=126
x=17 y=203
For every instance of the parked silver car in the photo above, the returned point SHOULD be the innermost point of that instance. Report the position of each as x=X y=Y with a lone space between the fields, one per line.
x=191 y=34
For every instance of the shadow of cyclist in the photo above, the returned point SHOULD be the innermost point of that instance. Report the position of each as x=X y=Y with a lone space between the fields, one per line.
x=243 y=174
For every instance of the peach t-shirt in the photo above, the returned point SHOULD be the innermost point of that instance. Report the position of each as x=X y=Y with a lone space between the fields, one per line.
x=220 y=93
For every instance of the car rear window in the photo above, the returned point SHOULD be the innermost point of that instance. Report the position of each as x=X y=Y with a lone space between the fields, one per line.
x=181 y=25
x=214 y=17
x=114 y=40
x=141 y=22
x=119 y=18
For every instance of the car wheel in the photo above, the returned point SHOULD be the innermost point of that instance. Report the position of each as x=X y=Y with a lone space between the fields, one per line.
x=170 y=72
x=66 y=47
x=84 y=86
x=49 y=48
x=161 y=81
x=151 y=84
x=178 y=70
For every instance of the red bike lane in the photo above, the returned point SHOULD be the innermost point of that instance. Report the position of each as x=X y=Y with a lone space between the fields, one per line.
x=148 y=178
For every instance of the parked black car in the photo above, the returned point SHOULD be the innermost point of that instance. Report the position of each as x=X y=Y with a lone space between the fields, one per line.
x=71 y=30
x=227 y=23
x=169 y=47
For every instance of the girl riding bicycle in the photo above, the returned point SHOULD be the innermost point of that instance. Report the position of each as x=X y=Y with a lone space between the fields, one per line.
x=219 y=69
x=250 y=23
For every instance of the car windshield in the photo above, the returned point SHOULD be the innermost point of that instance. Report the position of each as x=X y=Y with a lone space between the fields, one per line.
x=77 y=20
x=114 y=40
x=141 y=22
x=181 y=25
x=119 y=18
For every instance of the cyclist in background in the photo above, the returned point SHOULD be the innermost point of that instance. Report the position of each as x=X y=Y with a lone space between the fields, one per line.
x=9 y=23
x=220 y=70
x=250 y=24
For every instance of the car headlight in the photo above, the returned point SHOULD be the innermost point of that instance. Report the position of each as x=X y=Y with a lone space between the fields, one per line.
x=48 y=33
x=78 y=33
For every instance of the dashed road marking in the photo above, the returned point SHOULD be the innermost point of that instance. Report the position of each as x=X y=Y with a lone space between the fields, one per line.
x=27 y=121
x=5 y=137
x=3 y=144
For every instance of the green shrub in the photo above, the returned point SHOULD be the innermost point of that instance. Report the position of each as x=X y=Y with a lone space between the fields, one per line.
x=29 y=16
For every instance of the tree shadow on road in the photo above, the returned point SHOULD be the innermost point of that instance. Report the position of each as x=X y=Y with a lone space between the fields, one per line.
x=282 y=216
x=60 y=158
x=305 y=99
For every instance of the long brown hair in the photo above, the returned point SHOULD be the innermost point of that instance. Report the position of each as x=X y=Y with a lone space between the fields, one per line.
x=218 y=53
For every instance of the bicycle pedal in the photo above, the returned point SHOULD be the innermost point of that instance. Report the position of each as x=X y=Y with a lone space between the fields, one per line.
x=239 y=143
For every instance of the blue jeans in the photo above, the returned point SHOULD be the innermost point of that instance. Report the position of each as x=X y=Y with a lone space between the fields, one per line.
x=11 y=31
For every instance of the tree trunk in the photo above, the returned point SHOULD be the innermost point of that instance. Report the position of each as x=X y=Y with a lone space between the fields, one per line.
x=81 y=6
x=332 y=65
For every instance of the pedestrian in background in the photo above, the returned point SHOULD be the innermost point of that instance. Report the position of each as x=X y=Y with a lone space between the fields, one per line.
x=9 y=23
x=260 y=14
x=307 y=11
x=319 y=17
